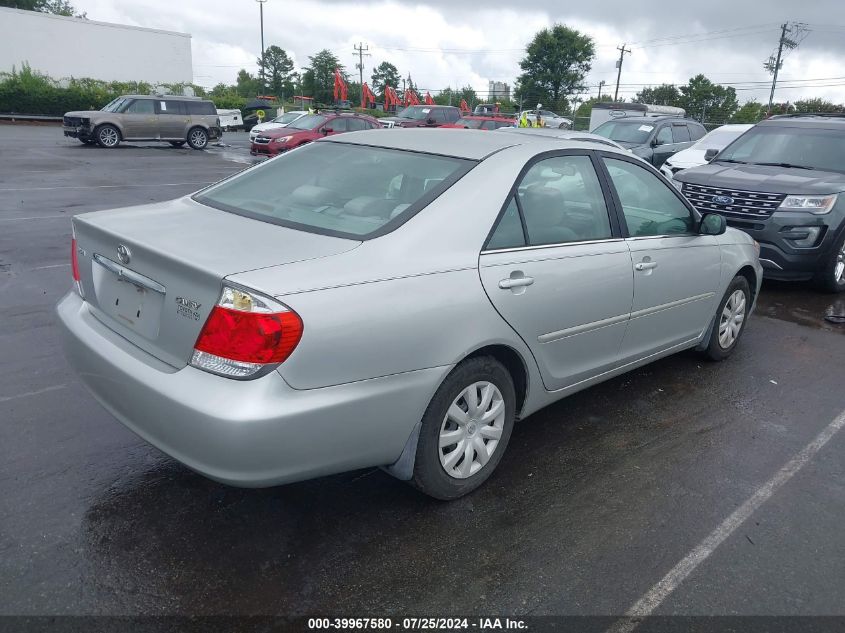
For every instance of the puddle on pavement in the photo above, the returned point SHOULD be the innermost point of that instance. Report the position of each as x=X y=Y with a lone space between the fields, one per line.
x=800 y=303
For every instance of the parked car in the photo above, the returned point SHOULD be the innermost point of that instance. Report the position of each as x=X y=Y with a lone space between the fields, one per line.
x=230 y=119
x=310 y=128
x=693 y=156
x=782 y=182
x=278 y=122
x=473 y=122
x=608 y=111
x=176 y=120
x=653 y=138
x=392 y=298
x=548 y=119
x=425 y=116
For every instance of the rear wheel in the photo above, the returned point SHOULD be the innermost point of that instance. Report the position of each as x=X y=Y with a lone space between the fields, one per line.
x=563 y=126
x=107 y=136
x=177 y=143
x=730 y=320
x=831 y=278
x=465 y=429
x=197 y=138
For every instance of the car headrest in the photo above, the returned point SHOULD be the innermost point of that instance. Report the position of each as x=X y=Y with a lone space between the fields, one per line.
x=545 y=205
x=368 y=206
x=313 y=196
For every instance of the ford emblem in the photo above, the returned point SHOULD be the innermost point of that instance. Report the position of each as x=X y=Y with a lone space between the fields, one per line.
x=123 y=254
x=722 y=200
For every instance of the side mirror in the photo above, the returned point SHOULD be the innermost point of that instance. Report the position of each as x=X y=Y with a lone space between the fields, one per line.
x=712 y=224
x=327 y=130
x=655 y=142
x=710 y=154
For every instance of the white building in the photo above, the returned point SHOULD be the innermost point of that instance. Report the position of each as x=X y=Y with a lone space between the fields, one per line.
x=63 y=47
x=498 y=90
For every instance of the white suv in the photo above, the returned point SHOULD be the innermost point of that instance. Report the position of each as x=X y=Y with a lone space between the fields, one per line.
x=279 y=121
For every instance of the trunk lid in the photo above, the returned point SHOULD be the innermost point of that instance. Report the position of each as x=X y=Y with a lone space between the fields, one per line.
x=153 y=273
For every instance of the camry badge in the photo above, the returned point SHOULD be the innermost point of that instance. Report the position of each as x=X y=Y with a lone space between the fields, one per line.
x=123 y=254
x=722 y=200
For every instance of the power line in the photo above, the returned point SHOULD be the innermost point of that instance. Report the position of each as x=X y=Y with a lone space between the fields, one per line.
x=361 y=51
x=775 y=62
x=622 y=50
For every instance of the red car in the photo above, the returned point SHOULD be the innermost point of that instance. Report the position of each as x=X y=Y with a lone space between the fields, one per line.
x=475 y=122
x=310 y=128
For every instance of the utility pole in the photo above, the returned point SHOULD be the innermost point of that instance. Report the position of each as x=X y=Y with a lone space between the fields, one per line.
x=261 y=9
x=775 y=62
x=622 y=50
x=361 y=50
x=601 y=83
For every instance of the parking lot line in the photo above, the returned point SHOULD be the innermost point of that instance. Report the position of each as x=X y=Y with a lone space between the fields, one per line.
x=27 y=394
x=35 y=217
x=51 y=266
x=167 y=184
x=646 y=605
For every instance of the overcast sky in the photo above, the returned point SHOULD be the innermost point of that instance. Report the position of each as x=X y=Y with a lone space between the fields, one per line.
x=444 y=42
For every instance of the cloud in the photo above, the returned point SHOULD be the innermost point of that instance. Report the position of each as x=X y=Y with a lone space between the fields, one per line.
x=444 y=43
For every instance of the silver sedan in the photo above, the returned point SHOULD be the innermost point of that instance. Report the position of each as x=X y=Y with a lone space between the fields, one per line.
x=394 y=299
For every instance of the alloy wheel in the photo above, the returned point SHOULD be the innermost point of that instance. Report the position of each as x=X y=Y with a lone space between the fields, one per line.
x=839 y=268
x=471 y=429
x=198 y=139
x=109 y=137
x=732 y=318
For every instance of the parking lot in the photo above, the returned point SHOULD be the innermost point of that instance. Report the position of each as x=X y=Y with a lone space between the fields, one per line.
x=597 y=498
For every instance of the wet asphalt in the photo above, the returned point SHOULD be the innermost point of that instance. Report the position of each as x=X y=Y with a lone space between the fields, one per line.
x=596 y=499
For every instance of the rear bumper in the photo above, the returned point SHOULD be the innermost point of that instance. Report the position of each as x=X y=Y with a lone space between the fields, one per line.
x=244 y=433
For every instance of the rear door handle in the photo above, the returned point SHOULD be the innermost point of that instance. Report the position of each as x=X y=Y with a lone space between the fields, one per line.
x=645 y=265
x=515 y=282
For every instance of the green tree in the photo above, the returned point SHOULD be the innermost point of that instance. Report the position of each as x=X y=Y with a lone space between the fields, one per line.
x=586 y=108
x=385 y=74
x=664 y=94
x=467 y=94
x=56 y=7
x=247 y=85
x=818 y=105
x=556 y=62
x=318 y=78
x=706 y=101
x=279 y=76
x=750 y=112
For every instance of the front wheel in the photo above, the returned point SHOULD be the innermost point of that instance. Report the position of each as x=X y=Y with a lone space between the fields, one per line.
x=831 y=278
x=465 y=429
x=198 y=138
x=730 y=320
x=107 y=136
x=563 y=126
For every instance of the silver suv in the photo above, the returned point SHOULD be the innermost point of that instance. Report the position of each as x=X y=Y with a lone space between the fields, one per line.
x=176 y=120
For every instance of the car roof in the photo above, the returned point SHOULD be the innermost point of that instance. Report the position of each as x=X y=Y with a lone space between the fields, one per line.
x=170 y=97
x=814 y=120
x=446 y=142
x=652 y=119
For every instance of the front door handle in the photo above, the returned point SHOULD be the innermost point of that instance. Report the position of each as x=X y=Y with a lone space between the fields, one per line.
x=515 y=282
x=645 y=265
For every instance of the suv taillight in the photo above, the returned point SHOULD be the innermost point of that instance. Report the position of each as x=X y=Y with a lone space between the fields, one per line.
x=246 y=333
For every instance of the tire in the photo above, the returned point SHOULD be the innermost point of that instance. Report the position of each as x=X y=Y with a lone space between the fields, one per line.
x=563 y=126
x=482 y=378
x=176 y=143
x=107 y=136
x=722 y=341
x=197 y=138
x=831 y=278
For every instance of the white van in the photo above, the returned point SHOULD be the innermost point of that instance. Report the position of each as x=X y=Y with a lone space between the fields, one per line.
x=605 y=111
x=230 y=119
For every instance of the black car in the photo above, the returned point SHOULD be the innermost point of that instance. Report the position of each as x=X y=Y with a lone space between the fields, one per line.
x=782 y=182
x=425 y=116
x=652 y=138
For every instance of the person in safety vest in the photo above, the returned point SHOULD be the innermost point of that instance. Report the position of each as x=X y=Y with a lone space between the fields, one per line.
x=523 y=119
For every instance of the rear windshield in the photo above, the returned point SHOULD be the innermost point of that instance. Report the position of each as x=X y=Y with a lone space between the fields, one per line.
x=815 y=148
x=338 y=189
x=625 y=132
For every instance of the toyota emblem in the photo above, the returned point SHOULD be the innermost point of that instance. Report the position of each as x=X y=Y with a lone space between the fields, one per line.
x=123 y=254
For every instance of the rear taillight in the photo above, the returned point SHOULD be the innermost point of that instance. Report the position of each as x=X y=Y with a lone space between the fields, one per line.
x=74 y=266
x=246 y=333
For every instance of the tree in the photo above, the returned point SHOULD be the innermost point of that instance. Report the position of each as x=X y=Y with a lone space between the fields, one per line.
x=56 y=7
x=467 y=94
x=664 y=94
x=706 y=101
x=750 y=112
x=278 y=71
x=556 y=62
x=818 y=105
x=247 y=85
x=318 y=78
x=586 y=109
x=385 y=74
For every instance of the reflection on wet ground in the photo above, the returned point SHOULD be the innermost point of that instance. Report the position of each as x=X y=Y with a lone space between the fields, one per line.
x=799 y=302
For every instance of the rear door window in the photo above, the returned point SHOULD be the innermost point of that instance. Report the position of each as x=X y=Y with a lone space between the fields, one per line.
x=172 y=107
x=357 y=124
x=200 y=107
